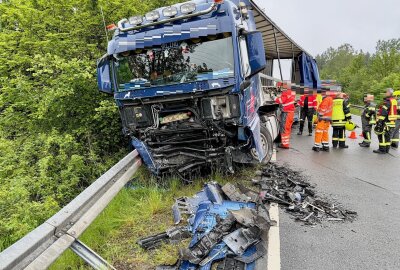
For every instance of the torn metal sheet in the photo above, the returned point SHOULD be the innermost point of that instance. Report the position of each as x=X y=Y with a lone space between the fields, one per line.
x=241 y=239
x=252 y=254
x=186 y=206
x=199 y=251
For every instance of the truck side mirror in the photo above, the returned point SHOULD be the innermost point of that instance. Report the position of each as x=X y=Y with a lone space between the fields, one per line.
x=256 y=52
x=104 y=82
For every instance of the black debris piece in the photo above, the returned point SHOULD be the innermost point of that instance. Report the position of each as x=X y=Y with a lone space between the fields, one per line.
x=172 y=235
x=291 y=190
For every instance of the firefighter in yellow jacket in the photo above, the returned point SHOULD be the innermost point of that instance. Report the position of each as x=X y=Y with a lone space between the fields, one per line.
x=341 y=114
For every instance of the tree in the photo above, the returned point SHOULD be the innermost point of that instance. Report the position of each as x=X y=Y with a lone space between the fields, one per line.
x=360 y=72
x=57 y=132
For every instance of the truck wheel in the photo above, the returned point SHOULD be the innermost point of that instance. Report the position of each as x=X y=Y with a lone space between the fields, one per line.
x=267 y=144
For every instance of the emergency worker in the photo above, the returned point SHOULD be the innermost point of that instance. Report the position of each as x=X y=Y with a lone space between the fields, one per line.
x=308 y=105
x=368 y=119
x=396 y=131
x=286 y=101
x=324 y=115
x=386 y=123
x=341 y=114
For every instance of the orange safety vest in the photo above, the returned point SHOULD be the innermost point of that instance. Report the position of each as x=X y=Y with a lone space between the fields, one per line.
x=325 y=109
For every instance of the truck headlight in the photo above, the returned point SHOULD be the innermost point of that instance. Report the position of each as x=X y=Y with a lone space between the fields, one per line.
x=170 y=11
x=136 y=20
x=188 y=8
x=152 y=16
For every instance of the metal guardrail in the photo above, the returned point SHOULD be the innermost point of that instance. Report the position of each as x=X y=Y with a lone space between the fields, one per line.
x=41 y=247
x=357 y=107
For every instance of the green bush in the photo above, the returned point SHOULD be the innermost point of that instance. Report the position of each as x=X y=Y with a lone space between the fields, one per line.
x=57 y=132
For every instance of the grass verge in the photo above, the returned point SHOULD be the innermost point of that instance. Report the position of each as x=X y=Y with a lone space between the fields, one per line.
x=138 y=211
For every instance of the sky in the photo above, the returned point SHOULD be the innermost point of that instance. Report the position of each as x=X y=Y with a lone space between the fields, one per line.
x=319 y=24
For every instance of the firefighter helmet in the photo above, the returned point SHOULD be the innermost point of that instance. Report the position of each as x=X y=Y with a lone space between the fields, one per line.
x=350 y=126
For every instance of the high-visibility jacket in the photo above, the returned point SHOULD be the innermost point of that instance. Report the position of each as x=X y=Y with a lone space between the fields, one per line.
x=396 y=95
x=393 y=109
x=286 y=100
x=388 y=112
x=325 y=109
x=368 y=115
x=312 y=101
x=319 y=99
x=340 y=113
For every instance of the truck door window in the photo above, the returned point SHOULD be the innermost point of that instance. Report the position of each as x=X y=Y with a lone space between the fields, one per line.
x=246 y=69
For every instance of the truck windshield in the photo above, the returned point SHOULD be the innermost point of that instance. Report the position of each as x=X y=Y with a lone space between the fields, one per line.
x=180 y=62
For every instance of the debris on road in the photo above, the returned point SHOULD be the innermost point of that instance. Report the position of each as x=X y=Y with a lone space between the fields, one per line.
x=226 y=225
x=291 y=190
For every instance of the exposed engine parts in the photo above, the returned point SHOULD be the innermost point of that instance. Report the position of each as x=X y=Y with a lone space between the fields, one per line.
x=189 y=137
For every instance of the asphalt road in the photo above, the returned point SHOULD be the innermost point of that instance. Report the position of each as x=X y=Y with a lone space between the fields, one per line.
x=360 y=180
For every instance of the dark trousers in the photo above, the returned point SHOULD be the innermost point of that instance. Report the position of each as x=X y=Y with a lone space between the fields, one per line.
x=396 y=134
x=339 y=136
x=309 y=114
x=384 y=139
x=367 y=133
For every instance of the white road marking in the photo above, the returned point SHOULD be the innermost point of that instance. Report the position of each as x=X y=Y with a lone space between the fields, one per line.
x=274 y=244
x=273 y=158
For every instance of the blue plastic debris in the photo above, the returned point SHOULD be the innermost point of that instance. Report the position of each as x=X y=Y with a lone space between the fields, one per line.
x=215 y=230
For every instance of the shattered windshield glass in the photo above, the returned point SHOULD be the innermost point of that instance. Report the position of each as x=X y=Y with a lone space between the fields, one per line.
x=178 y=62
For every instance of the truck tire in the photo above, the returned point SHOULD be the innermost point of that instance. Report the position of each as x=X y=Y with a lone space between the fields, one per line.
x=268 y=145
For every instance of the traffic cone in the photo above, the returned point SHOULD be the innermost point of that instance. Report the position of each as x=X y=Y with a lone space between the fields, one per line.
x=353 y=135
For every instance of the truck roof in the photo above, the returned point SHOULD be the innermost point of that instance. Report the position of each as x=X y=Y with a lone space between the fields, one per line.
x=287 y=47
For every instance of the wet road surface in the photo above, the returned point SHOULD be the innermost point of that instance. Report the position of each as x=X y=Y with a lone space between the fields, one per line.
x=360 y=180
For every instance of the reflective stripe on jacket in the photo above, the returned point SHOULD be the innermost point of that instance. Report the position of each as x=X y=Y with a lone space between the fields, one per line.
x=393 y=110
x=341 y=112
x=388 y=112
x=369 y=114
x=286 y=100
x=325 y=109
x=312 y=101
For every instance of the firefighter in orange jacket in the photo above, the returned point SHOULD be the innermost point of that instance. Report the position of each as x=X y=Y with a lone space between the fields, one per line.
x=324 y=114
x=386 y=122
x=286 y=101
x=308 y=105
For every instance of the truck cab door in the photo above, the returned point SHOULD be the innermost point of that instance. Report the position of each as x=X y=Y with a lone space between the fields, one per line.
x=256 y=52
x=104 y=78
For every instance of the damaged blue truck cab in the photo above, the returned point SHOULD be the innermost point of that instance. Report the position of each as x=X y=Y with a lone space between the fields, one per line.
x=186 y=79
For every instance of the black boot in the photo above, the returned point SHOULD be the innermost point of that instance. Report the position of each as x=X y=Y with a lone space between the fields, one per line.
x=364 y=144
x=325 y=148
x=300 y=133
x=380 y=151
x=342 y=145
x=394 y=145
x=335 y=144
x=316 y=149
x=387 y=149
